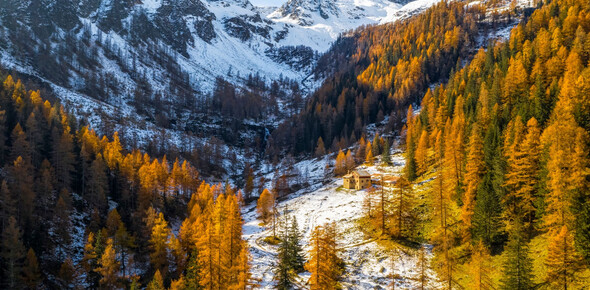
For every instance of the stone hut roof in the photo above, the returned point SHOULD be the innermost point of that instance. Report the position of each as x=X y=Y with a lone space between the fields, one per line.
x=363 y=173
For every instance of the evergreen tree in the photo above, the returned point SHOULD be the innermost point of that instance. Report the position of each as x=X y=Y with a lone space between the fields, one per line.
x=13 y=253
x=386 y=155
x=487 y=222
x=517 y=270
x=283 y=274
x=192 y=271
x=290 y=255
x=376 y=145
x=294 y=249
x=411 y=167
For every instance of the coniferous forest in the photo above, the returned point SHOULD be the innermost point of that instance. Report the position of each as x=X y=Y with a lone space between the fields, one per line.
x=53 y=167
x=490 y=138
x=506 y=140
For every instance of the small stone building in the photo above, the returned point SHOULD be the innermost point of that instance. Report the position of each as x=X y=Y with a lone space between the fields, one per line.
x=348 y=181
x=358 y=179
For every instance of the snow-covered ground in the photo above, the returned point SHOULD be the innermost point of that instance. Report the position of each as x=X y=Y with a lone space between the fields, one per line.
x=368 y=265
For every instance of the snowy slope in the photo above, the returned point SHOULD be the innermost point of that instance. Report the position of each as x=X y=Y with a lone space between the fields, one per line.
x=231 y=57
x=319 y=29
x=209 y=38
x=368 y=264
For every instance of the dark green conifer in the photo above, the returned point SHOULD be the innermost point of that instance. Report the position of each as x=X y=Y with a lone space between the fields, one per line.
x=518 y=267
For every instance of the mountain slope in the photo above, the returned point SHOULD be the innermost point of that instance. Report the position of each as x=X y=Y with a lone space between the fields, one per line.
x=205 y=38
x=160 y=60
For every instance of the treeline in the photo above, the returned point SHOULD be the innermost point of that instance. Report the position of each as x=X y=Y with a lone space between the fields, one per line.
x=506 y=140
x=388 y=67
x=61 y=181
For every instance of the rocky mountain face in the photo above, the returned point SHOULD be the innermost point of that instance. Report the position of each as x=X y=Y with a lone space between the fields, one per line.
x=302 y=10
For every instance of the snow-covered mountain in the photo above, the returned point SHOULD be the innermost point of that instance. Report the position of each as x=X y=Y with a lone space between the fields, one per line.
x=204 y=38
x=147 y=65
x=316 y=23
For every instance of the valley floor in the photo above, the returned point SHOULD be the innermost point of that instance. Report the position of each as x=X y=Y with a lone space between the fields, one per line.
x=368 y=264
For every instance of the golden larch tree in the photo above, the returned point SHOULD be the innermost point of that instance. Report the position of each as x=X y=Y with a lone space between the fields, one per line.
x=265 y=205
x=422 y=153
x=522 y=178
x=109 y=267
x=480 y=268
x=324 y=263
x=159 y=244
x=475 y=168
x=563 y=262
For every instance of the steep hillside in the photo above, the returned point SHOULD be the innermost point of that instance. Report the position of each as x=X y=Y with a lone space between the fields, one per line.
x=75 y=207
x=187 y=70
x=373 y=74
x=506 y=139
